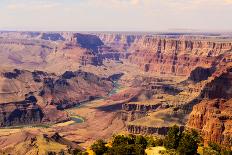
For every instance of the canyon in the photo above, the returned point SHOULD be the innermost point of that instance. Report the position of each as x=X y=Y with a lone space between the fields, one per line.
x=140 y=83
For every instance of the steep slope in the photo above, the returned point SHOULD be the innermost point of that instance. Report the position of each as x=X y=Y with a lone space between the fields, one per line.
x=34 y=97
x=212 y=116
x=169 y=54
x=33 y=144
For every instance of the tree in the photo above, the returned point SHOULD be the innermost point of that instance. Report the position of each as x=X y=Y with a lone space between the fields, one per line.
x=128 y=145
x=140 y=140
x=214 y=146
x=172 y=139
x=129 y=149
x=158 y=142
x=99 y=147
x=150 y=141
x=217 y=149
x=125 y=140
x=188 y=143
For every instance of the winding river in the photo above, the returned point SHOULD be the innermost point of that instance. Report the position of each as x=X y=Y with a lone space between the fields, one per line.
x=80 y=119
x=74 y=117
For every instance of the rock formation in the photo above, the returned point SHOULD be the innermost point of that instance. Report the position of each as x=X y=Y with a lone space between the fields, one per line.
x=165 y=77
x=146 y=130
x=213 y=115
x=45 y=95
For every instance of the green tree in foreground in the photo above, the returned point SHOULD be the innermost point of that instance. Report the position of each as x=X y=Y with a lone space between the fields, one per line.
x=99 y=147
x=128 y=145
x=188 y=144
x=216 y=149
x=172 y=139
x=122 y=145
x=185 y=143
x=140 y=140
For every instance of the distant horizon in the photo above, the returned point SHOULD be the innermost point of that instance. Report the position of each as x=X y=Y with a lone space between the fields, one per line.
x=124 y=31
x=116 y=15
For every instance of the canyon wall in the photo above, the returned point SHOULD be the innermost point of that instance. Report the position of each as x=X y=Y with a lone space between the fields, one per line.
x=213 y=115
x=163 y=54
x=20 y=113
x=34 y=97
x=146 y=130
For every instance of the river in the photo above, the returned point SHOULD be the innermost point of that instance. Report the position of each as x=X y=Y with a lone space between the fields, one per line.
x=80 y=119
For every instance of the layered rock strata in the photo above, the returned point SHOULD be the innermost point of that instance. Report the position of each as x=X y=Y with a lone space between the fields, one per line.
x=213 y=115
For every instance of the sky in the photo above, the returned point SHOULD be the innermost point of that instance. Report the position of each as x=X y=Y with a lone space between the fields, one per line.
x=116 y=15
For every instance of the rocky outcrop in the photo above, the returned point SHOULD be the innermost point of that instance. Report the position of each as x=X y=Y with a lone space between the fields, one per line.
x=175 y=56
x=220 y=87
x=28 y=142
x=115 y=39
x=140 y=107
x=46 y=95
x=149 y=130
x=213 y=118
x=199 y=74
x=20 y=113
x=87 y=41
x=132 y=111
x=115 y=77
x=132 y=115
x=52 y=36
x=213 y=115
x=168 y=54
x=73 y=88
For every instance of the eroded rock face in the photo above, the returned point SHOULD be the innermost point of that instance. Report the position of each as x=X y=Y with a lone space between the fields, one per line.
x=52 y=36
x=87 y=41
x=149 y=130
x=220 y=87
x=46 y=95
x=72 y=88
x=179 y=57
x=213 y=115
x=167 y=54
x=213 y=119
x=19 y=113
x=200 y=74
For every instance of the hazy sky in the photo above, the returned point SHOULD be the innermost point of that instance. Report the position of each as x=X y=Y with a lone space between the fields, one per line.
x=117 y=15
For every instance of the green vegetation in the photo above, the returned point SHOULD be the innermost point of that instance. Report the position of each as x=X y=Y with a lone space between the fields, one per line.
x=171 y=141
x=215 y=149
x=126 y=145
x=188 y=144
x=99 y=147
x=176 y=142
x=183 y=143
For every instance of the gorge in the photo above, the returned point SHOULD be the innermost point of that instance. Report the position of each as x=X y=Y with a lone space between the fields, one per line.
x=132 y=82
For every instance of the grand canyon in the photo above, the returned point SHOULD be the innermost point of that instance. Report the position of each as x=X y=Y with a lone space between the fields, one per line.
x=64 y=90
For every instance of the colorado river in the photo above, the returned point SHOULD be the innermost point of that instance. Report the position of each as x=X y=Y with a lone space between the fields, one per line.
x=80 y=119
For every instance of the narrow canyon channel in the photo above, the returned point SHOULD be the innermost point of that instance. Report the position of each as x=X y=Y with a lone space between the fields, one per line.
x=80 y=119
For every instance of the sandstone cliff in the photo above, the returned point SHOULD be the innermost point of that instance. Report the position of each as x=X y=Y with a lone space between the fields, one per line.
x=175 y=56
x=165 y=54
x=212 y=116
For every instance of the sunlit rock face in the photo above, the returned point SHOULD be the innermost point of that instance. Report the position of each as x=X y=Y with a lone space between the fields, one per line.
x=164 y=54
x=212 y=116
